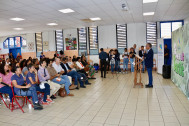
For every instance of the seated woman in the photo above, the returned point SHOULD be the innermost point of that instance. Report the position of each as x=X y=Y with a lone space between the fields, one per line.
x=21 y=89
x=88 y=67
x=25 y=68
x=32 y=78
x=5 y=80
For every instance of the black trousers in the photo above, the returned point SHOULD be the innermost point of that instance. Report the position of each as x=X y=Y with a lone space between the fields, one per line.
x=103 y=65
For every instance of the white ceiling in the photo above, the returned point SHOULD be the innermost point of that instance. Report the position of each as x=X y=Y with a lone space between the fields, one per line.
x=37 y=13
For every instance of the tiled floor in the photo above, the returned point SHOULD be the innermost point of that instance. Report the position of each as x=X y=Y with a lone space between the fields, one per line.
x=110 y=102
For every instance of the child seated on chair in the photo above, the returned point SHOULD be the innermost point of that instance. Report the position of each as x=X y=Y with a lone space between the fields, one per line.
x=21 y=89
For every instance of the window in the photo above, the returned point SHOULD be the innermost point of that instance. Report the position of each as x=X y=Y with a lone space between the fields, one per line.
x=167 y=27
x=151 y=33
x=93 y=40
x=59 y=40
x=39 y=43
x=82 y=41
x=121 y=35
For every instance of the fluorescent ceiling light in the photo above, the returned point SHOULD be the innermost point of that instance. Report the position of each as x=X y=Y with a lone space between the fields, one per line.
x=17 y=19
x=95 y=19
x=148 y=13
x=149 y=1
x=68 y=10
x=52 y=24
x=18 y=29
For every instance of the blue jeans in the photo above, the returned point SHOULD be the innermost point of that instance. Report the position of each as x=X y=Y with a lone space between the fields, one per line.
x=46 y=91
x=84 y=77
x=7 y=90
x=131 y=62
x=64 y=80
x=117 y=66
x=112 y=67
x=76 y=77
x=149 y=70
x=143 y=66
x=31 y=92
x=125 y=63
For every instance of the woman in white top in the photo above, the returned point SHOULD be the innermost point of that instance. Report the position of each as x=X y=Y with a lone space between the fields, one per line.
x=125 y=60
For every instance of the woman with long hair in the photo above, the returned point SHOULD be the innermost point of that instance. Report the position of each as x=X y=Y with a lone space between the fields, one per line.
x=5 y=80
x=117 y=61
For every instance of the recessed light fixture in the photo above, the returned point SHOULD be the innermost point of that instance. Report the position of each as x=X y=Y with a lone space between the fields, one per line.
x=17 y=19
x=148 y=13
x=95 y=19
x=52 y=24
x=18 y=29
x=68 y=10
x=149 y=1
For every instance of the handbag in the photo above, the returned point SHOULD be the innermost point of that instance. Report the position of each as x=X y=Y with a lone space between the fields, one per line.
x=62 y=92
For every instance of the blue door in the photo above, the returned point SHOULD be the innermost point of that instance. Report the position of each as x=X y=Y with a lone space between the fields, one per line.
x=15 y=51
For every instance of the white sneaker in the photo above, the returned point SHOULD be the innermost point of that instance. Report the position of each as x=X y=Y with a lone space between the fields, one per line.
x=123 y=72
x=126 y=72
x=117 y=72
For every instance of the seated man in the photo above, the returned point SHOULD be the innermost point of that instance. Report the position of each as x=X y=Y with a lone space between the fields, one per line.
x=73 y=74
x=32 y=78
x=59 y=79
x=76 y=68
x=44 y=76
x=81 y=67
x=21 y=89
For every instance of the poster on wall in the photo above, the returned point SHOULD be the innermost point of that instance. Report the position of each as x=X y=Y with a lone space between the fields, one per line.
x=24 y=42
x=17 y=42
x=160 y=55
x=180 y=59
x=71 y=43
x=11 y=42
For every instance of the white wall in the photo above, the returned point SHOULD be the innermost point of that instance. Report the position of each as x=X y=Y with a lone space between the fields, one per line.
x=107 y=36
x=136 y=34
x=186 y=20
x=50 y=37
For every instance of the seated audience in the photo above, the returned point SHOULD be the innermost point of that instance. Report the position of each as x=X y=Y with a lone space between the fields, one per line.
x=59 y=79
x=61 y=54
x=21 y=89
x=5 y=80
x=32 y=78
x=44 y=77
x=19 y=56
x=81 y=67
x=73 y=74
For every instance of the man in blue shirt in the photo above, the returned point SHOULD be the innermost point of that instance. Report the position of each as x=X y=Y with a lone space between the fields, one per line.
x=103 y=64
x=149 y=63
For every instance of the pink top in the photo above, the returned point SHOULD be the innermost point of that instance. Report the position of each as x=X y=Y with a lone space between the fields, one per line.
x=6 y=78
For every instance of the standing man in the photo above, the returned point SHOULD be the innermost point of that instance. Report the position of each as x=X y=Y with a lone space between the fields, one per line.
x=166 y=54
x=103 y=57
x=149 y=63
x=141 y=54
